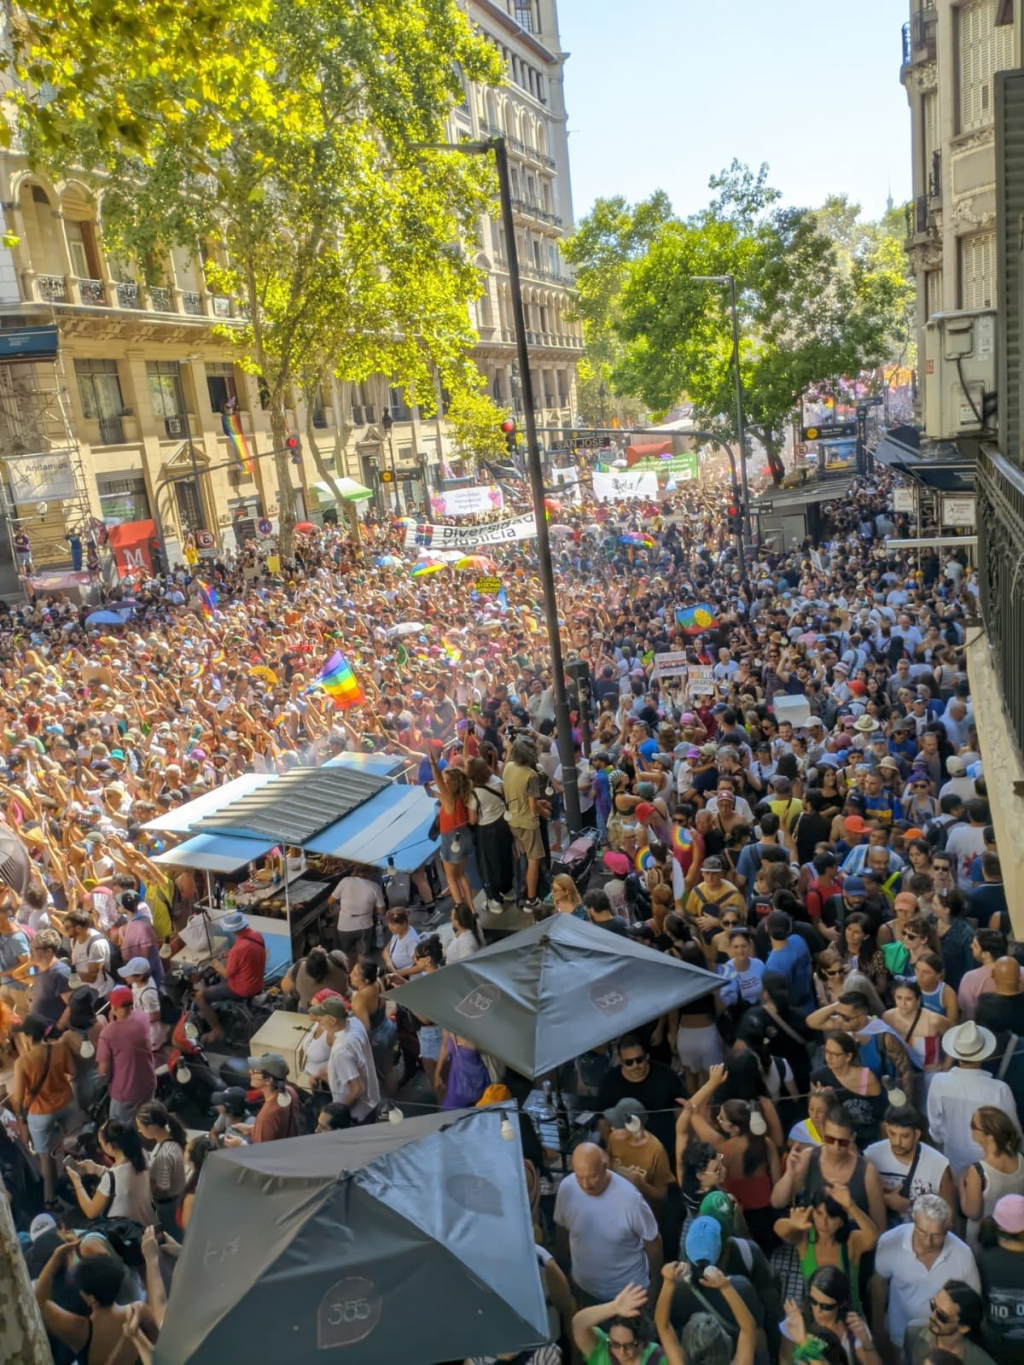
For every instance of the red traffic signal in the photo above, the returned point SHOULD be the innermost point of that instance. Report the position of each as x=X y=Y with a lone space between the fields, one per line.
x=291 y=444
x=508 y=428
x=733 y=519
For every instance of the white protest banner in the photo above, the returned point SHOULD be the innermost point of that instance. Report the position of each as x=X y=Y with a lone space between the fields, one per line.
x=467 y=502
x=428 y=537
x=816 y=563
x=903 y=500
x=701 y=680
x=673 y=662
x=40 y=478
x=625 y=485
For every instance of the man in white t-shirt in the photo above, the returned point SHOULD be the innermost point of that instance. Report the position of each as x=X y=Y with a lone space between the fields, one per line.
x=606 y=1226
x=351 y=1074
x=907 y=1167
x=90 y=953
x=967 y=842
x=357 y=899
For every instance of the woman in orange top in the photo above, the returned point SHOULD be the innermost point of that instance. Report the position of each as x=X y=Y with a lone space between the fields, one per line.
x=41 y=1093
x=458 y=812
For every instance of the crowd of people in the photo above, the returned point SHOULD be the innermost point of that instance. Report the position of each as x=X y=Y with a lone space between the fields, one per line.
x=818 y=1160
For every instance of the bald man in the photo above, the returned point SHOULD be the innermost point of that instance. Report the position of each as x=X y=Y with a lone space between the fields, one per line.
x=607 y=1234
x=1002 y=1008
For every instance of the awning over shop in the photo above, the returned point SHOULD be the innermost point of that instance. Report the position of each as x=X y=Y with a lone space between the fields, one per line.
x=215 y=853
x=940 y=466
x=297 y=806
x=348 y=488
x=182 y=819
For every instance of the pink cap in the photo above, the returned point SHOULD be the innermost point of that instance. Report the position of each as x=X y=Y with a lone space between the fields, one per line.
x=1008 y=1213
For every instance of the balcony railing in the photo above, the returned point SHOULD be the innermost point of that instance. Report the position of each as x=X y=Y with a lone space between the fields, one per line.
x=53 y=288
x=535 y=211
x=1000 y=493
x=92 y=292
x=362 y=415
x=111 y=431
x=917 y=217
x=129 y=295
x=918 y=37
x=192 y=303
x=161 y=300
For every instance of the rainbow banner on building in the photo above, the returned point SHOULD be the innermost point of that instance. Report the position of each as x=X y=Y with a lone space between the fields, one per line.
x=232 y=424
x=339 y=682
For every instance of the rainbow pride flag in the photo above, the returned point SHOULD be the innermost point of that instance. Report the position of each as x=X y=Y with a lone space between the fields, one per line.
x=232 y=424
x=339 y=682
x=208 y=600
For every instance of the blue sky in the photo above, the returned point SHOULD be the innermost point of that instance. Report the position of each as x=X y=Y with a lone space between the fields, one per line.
x=664 y=93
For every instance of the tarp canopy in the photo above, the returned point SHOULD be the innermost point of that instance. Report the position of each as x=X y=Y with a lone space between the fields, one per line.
x=549 y=993
x=391 y=828
x=410 y=1243
x=215 y=853
x=348 y=488
x=181 y=819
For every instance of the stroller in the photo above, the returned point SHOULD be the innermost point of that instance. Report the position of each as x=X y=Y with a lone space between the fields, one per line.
x=578 y=858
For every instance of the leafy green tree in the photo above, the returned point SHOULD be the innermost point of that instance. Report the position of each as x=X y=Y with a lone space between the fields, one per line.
x=352 y=250
x=810 y=307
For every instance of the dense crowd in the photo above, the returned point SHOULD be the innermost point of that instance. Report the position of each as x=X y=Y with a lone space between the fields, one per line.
x=818 y=1161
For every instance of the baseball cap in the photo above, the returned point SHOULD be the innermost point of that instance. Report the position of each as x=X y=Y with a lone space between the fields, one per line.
x=854 y=886
x=272 y=1063
x=620 y=1114
x=335 y=1007
x=704 y=1241
x=712 y=864
x=119 y=996
x=643 y=811
x=955 y=766
x=233 y=1098
x=718 y=1205
x=855 y=824
x=1008 y=1213
x=135 y=966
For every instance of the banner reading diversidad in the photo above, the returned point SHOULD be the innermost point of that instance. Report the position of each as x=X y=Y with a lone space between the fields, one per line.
x=430 y=537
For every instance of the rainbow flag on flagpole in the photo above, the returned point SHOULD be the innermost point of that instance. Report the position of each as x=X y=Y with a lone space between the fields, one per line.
x=339 y=682
x=232 y=424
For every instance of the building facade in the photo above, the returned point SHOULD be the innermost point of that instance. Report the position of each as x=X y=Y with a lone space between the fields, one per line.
x=137 y=390
x=951 y=50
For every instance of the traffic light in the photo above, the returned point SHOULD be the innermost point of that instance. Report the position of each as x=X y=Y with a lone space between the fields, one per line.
x=734 y=519
x=508 y=427
x=291 y=444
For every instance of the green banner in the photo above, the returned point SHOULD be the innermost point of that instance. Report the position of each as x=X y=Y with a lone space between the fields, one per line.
x=682 y=466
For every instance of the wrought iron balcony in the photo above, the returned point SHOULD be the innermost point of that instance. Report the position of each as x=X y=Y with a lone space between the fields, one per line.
x=92 y=292
x=161 y=300
x=935 y=177
x=918 y=224
x=1000 y=492
x=535 y=211
x=192 y=303
x=129 y=295
x=918 y=35
x=111 y=431
x=53 y=288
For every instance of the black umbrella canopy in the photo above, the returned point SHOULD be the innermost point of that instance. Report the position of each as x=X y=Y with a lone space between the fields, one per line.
x=408 y=1243
x=544 y=996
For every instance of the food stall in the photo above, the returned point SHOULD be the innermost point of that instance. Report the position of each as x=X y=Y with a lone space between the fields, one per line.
x=276 y=848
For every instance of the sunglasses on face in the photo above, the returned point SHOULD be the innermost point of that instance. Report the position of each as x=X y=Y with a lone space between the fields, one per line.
x=827 y=1305
x=939 y=1314
x=638 y=1060
x=831 y=1141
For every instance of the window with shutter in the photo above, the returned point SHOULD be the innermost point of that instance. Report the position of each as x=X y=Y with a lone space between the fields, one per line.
x=977 y=270
x=933 y=292
x=930 y=124
x=983 y=50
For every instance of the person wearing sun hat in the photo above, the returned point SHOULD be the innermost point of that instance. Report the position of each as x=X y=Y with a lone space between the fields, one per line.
x=955 y=1096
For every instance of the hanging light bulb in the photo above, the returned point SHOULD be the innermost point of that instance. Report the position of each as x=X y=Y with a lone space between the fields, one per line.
x=395 y=1114
x=183 y=1075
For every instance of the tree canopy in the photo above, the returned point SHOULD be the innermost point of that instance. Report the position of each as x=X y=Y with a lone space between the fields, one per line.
x=283 y=134
x=819 y=296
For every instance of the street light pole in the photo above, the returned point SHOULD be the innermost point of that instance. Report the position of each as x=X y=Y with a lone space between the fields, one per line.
x=387 y=421
x=563 y=725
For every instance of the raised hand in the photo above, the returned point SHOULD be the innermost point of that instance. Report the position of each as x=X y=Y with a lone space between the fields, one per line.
x=628 y=1302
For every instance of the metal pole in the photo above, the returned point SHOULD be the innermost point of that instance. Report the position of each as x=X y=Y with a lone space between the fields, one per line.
x=741 y=433
x=563 y=726
x=394 y=471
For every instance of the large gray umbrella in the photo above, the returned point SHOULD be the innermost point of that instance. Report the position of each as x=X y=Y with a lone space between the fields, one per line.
x=408 y=1243
x=545 y=995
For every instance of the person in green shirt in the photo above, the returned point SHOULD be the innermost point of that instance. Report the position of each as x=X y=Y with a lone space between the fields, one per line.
x=622 y=1339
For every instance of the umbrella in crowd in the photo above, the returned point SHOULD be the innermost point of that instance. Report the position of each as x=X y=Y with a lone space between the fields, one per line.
x=404 y=521
x=304 y=526
x=408 y=1242
x=427 y=566
x=478 y=563
x=559 y=530
x=104 y=618
x=405 y=628
x=545 y=995
x=388 y=562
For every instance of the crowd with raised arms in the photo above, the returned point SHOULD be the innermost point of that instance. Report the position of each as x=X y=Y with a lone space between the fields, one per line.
x=818 y=1161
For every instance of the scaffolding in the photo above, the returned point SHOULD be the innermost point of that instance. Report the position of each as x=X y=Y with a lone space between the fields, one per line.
x=44 y=493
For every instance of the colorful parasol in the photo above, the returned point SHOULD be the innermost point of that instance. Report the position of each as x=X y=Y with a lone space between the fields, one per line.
x=478 y=563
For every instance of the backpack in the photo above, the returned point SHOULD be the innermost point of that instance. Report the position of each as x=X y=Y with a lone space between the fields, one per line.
x=170 y=1013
